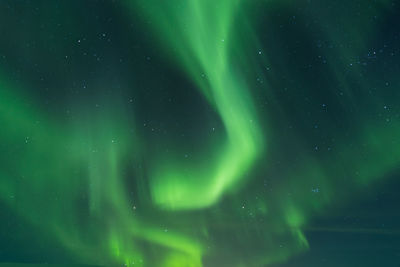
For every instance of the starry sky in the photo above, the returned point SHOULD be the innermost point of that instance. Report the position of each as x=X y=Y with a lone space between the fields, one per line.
x=200 y=133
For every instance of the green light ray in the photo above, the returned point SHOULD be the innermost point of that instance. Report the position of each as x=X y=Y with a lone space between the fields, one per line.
x=201 y=35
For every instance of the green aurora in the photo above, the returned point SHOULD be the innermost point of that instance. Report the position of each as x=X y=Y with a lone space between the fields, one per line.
x=191 y=133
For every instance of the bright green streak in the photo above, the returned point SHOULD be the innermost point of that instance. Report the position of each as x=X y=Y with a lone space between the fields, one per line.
x=70 y=179
x=200 y=34
x=64 y=170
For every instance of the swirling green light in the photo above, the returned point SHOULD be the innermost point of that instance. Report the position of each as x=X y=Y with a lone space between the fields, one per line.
x=201 y=35
x=89 y=182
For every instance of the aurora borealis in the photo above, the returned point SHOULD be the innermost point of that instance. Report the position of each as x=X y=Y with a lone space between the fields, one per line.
x=190 y=133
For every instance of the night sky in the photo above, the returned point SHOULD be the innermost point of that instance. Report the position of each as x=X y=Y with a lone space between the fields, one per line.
x=200 y=133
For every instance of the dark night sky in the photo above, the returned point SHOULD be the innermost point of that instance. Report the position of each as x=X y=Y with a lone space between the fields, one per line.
x=200 y=133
